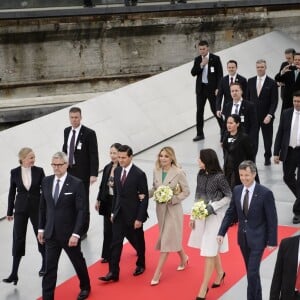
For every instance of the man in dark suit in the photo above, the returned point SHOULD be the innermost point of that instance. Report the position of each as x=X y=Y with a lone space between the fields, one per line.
x=80 y=144
x=245 y=109
x=287 y=150
x=63 y=212
x=209 y=71
x=290 y=77
x=224 y=94
x=254 y=206
x=263 y=92
x=289 y=59
x=128 y=213
x=286 y=269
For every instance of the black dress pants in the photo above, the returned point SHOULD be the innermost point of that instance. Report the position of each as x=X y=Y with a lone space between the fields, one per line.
x=54 y=247
x=122 y=229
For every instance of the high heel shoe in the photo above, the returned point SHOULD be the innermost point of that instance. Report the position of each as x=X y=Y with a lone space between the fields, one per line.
x=216 y=285
x=202 y=298
x=155 y=282
x=11 y=279
x=182 y=267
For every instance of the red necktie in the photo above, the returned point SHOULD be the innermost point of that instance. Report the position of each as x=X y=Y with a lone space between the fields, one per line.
x=297 y=286
x=123 y=178
x=231 y=80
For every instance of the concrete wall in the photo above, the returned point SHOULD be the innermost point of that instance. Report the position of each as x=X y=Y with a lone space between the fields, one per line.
x=54 y=56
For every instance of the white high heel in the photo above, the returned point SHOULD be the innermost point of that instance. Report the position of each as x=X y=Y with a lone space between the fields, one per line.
x=155 y=282
x=182 y=267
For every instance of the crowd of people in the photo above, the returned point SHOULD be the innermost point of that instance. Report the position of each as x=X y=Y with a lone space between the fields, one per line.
x=58 y=205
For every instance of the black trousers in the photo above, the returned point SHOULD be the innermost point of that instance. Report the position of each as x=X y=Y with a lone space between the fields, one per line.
x=54 y=247
x=107 y=237
x=201 y=101
x=122 y=229
x=291 y=175
x=20 y=230
x=267 y=133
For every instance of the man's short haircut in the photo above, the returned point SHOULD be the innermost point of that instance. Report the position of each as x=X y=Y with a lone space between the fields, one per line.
x=236 y=83
x=297 y=53
x=60 y=155
x=296 y=93
x=232 y=61
x=127 y=149
x=261 y=61
x=203 y=43
x=75 y=109
x=248 y=164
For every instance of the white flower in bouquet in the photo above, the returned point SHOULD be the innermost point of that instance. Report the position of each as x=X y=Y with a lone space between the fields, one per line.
x=163 y=194
x=199 y=210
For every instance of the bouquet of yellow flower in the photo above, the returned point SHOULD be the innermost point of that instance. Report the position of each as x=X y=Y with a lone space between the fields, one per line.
x=163 y=194
x=199 y=210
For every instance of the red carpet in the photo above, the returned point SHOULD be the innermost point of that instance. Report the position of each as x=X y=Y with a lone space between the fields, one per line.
x=174 y=285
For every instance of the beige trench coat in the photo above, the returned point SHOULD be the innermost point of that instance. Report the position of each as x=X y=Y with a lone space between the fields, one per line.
x=170 y=215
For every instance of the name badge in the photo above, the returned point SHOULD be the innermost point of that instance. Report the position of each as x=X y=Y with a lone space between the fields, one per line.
x=242 y=119
x=230 y=140
x=79 y=146
x=212 y=69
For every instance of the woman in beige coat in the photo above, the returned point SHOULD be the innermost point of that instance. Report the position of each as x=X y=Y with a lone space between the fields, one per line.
x=170 y=214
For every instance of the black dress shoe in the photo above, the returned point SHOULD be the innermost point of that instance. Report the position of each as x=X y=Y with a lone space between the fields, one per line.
x=198 y=138
x=83 y=294
x=296 y=220
x=11 y=279
x=138 y=271
x=267 y=162
x=104 y=260
x=109 y=277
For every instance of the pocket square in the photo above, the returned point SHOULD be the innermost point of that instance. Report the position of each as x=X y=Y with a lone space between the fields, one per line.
x=68 y=193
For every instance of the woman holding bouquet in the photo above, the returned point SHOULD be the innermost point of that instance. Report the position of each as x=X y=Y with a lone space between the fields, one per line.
x=213 y=189
x=170 y=187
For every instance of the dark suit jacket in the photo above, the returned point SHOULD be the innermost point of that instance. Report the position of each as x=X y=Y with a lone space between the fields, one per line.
x=260 y=225
x=248 y=116
x=266 y=102
x=103 y=194
x=126 y=197
x=86 y=158
x=285 y=272
x=224 y=90
x=70 y=211
x=282 y=139
x=290 y=86
x=214 y=73
x=282 y=91
x=19 y=199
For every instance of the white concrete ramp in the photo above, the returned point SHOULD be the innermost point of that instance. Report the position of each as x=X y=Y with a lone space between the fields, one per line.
x=140 y=114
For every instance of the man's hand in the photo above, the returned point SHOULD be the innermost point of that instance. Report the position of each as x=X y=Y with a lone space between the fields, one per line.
x=276 y=159
x=9 y=218
x=137 y=224
x=204 y=62
x=267 y=119
x=41 y=238
x=97 y=205
x=219 y=113
x=73 y=241
x=93 y=179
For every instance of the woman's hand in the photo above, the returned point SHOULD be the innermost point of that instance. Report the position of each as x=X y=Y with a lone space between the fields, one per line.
x=9 y=218
x=192 y=224
x=97 y=205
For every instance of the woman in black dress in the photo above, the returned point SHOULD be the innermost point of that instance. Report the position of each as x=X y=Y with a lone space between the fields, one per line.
x=23 y=204
x=237 y=147
x=104 y=200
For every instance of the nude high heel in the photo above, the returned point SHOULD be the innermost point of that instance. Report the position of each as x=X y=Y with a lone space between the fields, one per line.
x=155 y=282
x=182 y=267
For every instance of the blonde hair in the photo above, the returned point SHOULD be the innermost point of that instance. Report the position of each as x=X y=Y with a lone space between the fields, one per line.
x=171 y=153
x=23 y=153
